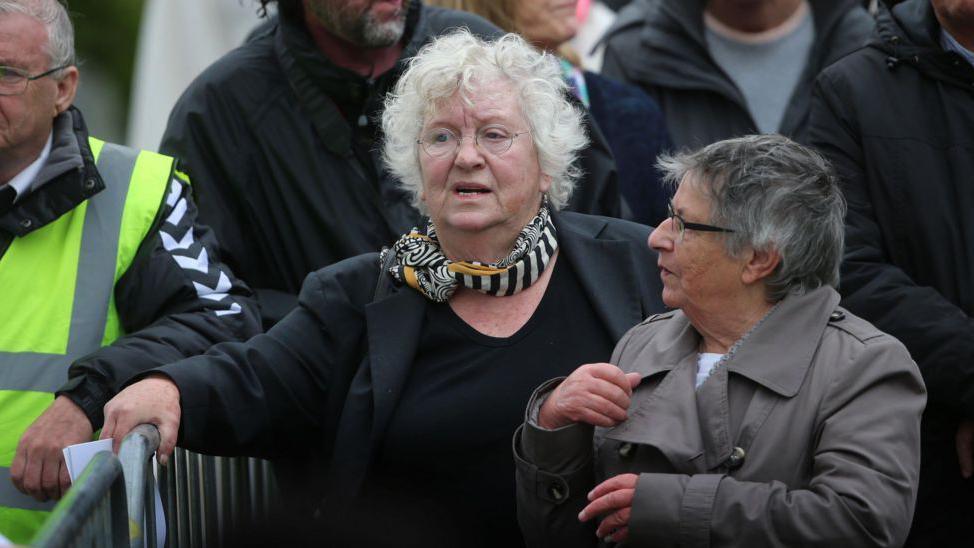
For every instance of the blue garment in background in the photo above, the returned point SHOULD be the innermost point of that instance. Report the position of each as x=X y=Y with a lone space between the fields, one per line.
x=635 y=129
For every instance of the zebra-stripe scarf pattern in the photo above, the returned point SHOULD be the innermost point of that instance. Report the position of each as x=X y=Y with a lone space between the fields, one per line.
x=421 y=264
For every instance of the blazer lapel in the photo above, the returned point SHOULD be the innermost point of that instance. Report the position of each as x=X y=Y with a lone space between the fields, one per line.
x=613 y=291
x=394 y=326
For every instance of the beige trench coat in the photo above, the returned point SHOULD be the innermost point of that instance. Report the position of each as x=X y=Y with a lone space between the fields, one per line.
x=808 y=435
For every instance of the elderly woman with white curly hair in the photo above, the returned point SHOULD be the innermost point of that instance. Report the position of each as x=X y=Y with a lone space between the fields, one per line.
x=411 y=377
x=759 y=412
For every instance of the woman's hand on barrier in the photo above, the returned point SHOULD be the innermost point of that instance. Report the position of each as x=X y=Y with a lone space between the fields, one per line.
x=153 y=400
x=612 y=499
x=595 y=393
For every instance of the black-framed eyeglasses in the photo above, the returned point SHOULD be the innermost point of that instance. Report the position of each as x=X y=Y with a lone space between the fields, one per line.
x=13 y=81
x=682 y=224
x=495 y=139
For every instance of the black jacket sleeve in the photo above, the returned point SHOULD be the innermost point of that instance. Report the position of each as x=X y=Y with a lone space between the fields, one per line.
x=937 y=332
x=176 y=300
x=279 y=392
x=214 y=146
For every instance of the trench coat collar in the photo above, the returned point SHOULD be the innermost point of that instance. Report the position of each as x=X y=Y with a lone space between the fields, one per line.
x=394 y=323
x=776 y=354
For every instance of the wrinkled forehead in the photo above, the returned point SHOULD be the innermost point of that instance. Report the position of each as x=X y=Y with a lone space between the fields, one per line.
x=23 y=42
x=481 y=98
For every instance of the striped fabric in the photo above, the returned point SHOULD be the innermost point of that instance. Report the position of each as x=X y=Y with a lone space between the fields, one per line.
x=421 y=264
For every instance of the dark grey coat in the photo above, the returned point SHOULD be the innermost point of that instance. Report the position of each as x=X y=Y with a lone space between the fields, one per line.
x=659 y=45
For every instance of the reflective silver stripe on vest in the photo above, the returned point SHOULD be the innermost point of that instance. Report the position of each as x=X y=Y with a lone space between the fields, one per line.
x=12 y=498
x=94 y=283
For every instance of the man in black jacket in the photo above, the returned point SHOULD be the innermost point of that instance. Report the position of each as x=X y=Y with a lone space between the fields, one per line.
x=726 y=68
x=897 y=120
x=281 y=140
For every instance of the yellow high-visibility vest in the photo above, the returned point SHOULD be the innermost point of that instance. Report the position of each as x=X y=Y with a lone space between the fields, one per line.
x=57 y=301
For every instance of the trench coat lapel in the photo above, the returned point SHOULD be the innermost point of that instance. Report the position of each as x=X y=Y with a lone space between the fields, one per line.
x=714 y=411
x=612 y=290
x=394 y=326
x=668 y=418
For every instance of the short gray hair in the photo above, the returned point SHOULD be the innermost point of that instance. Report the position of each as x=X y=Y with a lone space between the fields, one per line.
x=775 y=194
x=54 y=16
x=460 y=61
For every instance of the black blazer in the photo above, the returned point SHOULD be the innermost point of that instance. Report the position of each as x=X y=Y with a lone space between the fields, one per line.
x=326 y=379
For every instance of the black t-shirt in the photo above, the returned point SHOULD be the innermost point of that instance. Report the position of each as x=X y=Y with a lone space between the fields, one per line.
x=446 y=461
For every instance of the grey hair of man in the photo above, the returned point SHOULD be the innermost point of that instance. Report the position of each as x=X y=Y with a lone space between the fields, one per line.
x=460 y=62
x=775 y=194
x=54 y=16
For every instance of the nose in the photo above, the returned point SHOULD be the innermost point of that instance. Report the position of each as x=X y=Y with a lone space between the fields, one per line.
x=660 y=239
x=469 y=155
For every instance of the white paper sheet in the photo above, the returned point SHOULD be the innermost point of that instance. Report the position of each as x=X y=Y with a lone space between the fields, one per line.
x=78 y=456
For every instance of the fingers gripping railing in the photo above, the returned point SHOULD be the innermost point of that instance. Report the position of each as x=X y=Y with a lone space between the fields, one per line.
x=205 y=498
x=135 y=454
x=92 y=513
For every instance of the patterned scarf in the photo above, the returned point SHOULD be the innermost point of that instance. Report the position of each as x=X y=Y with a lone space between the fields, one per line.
x=421 y=264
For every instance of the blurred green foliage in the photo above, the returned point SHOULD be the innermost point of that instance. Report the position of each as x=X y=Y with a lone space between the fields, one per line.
x=106 y=33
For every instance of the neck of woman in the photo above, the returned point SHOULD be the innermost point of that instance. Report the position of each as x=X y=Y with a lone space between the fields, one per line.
x=722 y=326
x=482 y=246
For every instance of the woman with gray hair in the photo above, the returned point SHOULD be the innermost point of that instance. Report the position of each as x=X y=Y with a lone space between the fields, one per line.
x=412 y=376
x=759 y=412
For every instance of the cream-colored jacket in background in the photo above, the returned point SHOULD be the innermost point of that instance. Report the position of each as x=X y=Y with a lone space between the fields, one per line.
x=808 y=435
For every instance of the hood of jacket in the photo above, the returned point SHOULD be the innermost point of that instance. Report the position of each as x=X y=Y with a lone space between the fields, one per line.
x=673 y=35
x=909 y=33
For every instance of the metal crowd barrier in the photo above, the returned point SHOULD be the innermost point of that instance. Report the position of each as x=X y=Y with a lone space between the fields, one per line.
x=92 y=512
x=204 y=498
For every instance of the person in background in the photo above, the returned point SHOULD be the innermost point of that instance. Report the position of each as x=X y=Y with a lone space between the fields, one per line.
x=103 y=266
x=631 y=121
x=413 y=369
x=281 y=140
x=726 y=68
x=897 y=120
x=758 y=412
x=177 y=40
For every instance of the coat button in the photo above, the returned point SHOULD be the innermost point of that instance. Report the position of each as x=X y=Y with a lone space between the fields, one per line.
x=837 y=316
x=89 y=184
x=26 y=223
x=626 y=449
x=736 y=459
x=556 y=492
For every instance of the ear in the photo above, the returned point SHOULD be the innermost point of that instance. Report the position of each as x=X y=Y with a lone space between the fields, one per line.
x=545 y=184
x=67 y=86
x=759 y=265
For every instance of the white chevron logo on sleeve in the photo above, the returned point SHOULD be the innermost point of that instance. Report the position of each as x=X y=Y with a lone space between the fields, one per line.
x=174 y=188
x=200 y=264
x=222 y=286
x=234 y=309
x=177 y=212
x=170 y=243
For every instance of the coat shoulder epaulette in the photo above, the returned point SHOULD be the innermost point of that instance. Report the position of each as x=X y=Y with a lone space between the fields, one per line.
x=848 y=322
x=659 y=317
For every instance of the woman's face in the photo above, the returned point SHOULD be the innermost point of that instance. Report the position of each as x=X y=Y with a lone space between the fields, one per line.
x=697 y=272
x=547 y=23
x=474 y=190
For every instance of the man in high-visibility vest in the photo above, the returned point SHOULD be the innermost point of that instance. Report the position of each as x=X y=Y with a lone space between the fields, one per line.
x=102 y=266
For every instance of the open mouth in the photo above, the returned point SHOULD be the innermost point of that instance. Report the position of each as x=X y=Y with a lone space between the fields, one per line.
x=471 y=190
